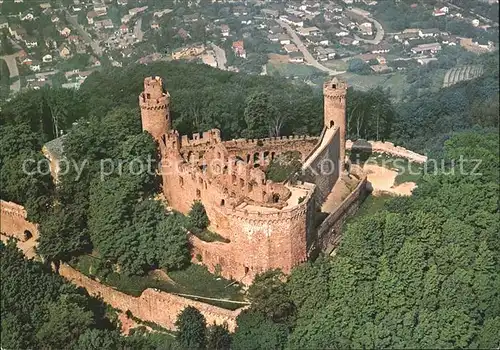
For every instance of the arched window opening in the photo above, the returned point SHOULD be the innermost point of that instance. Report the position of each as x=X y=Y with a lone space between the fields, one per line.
x=276 y=198
x=27 y=235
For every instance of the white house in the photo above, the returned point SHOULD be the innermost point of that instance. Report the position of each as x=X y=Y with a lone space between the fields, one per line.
x=428 y=33
x=35 y=66
x=30 y=42
x=27 y=16
x=296 y=57
x=47 y=58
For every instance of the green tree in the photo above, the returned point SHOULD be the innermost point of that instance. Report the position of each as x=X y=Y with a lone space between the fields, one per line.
x=198 y=218
x=218 y=337
x=192 y=329
x=258 y=112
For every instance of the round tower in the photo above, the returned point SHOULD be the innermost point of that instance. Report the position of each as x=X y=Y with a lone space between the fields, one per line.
x=155 y=108
x=334 y=93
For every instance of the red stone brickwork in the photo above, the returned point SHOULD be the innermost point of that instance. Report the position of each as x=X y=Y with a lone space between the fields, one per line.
x=13 y=222
x=155 y=107
x=152 y=305
x=334 y=92
x=269 y=225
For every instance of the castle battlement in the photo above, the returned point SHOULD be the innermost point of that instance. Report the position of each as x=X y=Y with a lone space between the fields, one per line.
x=268 y=224
x=207 y=137
x=269 y=141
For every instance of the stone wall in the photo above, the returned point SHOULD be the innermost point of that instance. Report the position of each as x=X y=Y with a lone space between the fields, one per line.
x=13 y=222
x=259 y=240
x=387 y=148
x=318 y=169
x=152 y=305
x=330 y=231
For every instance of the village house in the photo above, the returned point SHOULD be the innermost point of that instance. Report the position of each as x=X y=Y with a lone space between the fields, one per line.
x=284 y=39
x=426 y=48
x=380 y=68
x=54 y=19
x=64 y=51
x=273 y=37
x=35 y=66
x=290 y=48
x=224 y=29
x=346 y=41
x=90 y=17
x=239 y=49
x=100 y=9
x=47 y=58
x=380 y=48
x=404 y=37
x=270 y=13
x=308 y=31
x=366 y=28
x=425 y=61
x=65 y=31
x=428 y=33
x=296 y=57
x=26 y=16
x=30 y=42
x=443 y=11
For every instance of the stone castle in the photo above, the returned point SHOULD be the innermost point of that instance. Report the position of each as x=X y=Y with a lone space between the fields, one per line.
x=268 y=225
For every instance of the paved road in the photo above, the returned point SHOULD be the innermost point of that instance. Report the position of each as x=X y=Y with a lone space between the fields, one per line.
x=220 y=56
x=13 y=71
x=86 y=36
x=307 y=55
x=139 y=34
x=379 y=29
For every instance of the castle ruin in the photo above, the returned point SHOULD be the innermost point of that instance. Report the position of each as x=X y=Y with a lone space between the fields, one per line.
x=267 y=224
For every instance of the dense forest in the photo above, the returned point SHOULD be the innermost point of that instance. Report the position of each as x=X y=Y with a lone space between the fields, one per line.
x=421 y=273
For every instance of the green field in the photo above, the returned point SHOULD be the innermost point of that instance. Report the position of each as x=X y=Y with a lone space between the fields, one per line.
x=193 y=280
x=292 y=70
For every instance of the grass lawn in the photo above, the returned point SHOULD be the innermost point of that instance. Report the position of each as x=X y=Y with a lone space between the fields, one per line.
x=193 y=280
x=291 y=70
x=336 y=64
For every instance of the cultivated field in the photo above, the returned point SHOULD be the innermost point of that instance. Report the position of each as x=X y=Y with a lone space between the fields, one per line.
x=458 y=74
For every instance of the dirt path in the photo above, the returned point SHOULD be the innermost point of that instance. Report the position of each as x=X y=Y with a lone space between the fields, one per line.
x=382 y=181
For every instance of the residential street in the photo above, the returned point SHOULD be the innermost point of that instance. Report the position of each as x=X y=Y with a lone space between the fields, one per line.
x=13 y=71
x=86 y=36
x=379 y=35
x=139 y=34
x=220 y=56
x=307 y=55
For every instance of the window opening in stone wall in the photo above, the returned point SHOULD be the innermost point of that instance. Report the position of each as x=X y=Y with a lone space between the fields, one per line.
x=334 y=86
x=181 y=181
x=264 y=194
x=148 y=96
x=248 y=158
x=250 y=187
x=27 y=235
x=222 y=202
x=233 y=179
x=276 y=198
x=331 y=123
x=242 y=183
x=246 y=270
x=198 y=193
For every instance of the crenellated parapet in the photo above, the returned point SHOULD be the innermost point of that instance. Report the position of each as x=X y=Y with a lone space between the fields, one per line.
x=208 y=137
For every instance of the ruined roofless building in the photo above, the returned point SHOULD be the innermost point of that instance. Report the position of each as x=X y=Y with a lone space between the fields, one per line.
x=268 y=225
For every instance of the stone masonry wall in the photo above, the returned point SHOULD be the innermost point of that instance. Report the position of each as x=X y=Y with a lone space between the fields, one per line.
x=152 y=305
x=388 y=148
x=319 y=173
x=330 y=230
x=13 y=221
